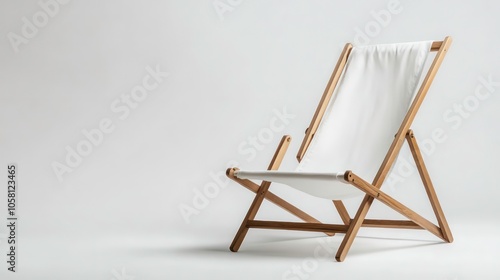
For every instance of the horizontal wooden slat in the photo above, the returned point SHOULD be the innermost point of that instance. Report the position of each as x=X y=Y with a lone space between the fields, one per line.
x=297 y=226
x=436 y=45
x=390 y=224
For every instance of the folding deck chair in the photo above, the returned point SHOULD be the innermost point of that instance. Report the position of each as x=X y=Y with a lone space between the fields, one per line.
x=359 y=125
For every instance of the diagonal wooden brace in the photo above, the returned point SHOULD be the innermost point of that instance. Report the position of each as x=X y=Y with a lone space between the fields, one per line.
x=429 y=188
x=376 y=193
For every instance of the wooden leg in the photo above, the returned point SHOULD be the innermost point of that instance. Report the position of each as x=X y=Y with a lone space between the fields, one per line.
x=429 y=188
x=259 y=197
x=242 y=231
x=353 y=229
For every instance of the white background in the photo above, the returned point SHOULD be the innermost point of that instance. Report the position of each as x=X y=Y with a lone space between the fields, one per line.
x=117 y=214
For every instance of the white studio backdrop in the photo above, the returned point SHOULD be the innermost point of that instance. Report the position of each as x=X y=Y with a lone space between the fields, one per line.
x=122 y=116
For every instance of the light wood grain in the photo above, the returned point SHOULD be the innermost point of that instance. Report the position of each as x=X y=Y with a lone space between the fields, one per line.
x=325 y=99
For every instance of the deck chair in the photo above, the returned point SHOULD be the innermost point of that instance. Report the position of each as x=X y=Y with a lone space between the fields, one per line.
x=353 y=140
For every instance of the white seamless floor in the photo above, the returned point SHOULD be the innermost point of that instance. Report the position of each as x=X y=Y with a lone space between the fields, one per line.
x=264 y=255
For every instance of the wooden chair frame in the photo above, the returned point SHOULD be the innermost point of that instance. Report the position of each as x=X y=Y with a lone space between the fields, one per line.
x=350 y=225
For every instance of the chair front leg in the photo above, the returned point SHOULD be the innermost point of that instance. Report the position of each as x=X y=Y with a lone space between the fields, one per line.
x=261 y=193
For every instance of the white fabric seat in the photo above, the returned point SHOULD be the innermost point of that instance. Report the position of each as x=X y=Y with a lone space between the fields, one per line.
x=359 y=124
x=326 y=185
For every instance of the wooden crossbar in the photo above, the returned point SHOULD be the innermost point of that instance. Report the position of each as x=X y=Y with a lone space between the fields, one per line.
x=396 y=224
x=297 y=226
x=390 y=224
